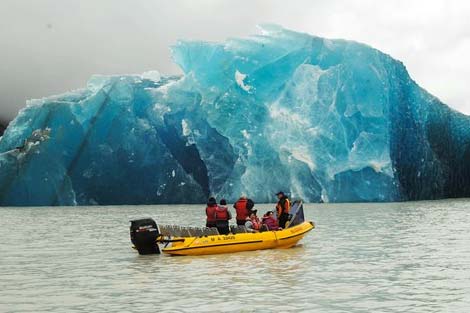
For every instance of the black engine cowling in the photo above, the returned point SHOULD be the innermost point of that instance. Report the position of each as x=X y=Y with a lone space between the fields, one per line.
x=144 y=233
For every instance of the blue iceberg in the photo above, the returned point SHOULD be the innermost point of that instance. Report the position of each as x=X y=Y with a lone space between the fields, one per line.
x=325 y=120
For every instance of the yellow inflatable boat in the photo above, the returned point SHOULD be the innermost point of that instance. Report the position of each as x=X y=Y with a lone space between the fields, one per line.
x=177 y=240
x=230 y=243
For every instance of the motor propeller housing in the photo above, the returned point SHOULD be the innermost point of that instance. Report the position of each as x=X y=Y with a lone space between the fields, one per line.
x=144 y=234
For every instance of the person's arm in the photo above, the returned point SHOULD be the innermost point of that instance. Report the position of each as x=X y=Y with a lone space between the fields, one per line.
x=287 y=204
x=229 y=214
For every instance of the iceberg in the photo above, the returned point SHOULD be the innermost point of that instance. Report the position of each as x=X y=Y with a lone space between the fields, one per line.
x=324 y=120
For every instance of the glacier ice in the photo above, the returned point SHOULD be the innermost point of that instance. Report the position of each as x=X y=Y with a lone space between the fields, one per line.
x=325 y=120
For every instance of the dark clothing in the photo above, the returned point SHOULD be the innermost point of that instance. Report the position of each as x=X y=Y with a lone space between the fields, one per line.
x=241 y=223
x=223 y=227
x=283 y=220
x=249 y=204
x=211 y=224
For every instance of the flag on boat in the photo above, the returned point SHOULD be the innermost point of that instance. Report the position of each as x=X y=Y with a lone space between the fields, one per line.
x=297 y=214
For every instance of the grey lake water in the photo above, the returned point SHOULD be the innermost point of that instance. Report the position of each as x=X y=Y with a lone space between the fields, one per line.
x=398 y=257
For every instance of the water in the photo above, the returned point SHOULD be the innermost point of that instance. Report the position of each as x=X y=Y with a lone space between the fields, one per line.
x=401 y=257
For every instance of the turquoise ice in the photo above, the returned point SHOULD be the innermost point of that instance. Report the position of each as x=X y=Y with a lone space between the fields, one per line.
x=325 y=120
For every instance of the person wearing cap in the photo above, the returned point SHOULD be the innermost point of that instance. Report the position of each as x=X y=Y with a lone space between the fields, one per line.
x=269 y=221
x=282 y=209
x=243 y=206
x=253 y=223
x=222 y=216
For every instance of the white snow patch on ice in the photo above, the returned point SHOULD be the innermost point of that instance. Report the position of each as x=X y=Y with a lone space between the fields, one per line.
x=240 y=79
x=378 y=166
x=185 y=127
x=301 y=154
x=324 y=196
x=152 y=75
x=245 y=134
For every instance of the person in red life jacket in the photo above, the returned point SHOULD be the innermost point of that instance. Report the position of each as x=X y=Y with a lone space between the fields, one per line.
x=252 y=222
x=282 y=209
x=210 y=212
x=243 y=206
x=222 y=216
x=269 y=221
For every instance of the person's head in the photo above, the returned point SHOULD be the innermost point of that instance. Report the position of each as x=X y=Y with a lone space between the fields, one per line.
x=253 y=213
x=243 y=196
x=223 y=202
x=211 y=201
x=280 y=194
x=269 y=213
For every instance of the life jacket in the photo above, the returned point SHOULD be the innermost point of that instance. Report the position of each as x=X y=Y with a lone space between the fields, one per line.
x=283 y=206
x=221 y=213
x=256 y=223
x=210 y=213
x=241 y=209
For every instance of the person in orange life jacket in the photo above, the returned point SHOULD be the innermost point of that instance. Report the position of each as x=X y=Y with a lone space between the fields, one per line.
x=270 y=221
x=210 y=212
x=222 y=216
x=252 y=222
x=243 y=206
x=282 y=209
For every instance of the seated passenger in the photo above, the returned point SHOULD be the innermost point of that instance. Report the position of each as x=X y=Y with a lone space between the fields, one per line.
x=269 y=221
x=253 y=223
x=210 y=212
x=222 y=216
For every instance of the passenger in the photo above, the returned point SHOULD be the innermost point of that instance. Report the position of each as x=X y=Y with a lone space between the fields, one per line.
x=222 y=216
x=269 y=221
x=252 y=222
x=210 y=212
x=243 y=206
x=283 y=209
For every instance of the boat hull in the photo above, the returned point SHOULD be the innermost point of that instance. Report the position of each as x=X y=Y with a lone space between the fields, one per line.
x=232 y=243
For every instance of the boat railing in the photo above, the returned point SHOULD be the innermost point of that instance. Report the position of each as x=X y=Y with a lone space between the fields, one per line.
x=186 y=231
x=238 y=229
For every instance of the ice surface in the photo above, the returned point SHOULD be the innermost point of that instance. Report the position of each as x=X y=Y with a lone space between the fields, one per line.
x=325 y=120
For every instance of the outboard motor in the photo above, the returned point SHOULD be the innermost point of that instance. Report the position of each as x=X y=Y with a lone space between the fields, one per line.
x=144 y=233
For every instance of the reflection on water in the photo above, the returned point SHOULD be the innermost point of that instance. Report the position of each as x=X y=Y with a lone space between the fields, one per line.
x=401 y=257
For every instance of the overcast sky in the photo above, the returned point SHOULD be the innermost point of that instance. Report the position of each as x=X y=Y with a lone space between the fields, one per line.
x=51 y=46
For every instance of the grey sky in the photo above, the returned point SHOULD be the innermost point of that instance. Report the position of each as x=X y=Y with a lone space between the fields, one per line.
x=51 y=46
